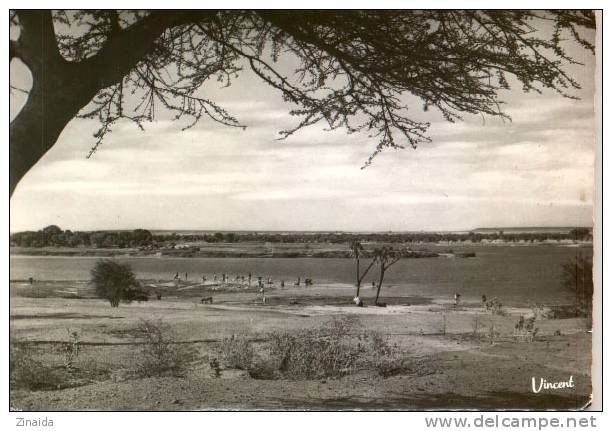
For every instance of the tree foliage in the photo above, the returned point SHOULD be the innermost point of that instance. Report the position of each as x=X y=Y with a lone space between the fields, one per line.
x=353 y=69
x=54 y=236
x=115 y=282
x=578 y=277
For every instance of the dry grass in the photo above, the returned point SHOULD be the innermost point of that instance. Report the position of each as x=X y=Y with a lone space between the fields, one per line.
x=26 y=372
x=237 y=352
x=160 y=355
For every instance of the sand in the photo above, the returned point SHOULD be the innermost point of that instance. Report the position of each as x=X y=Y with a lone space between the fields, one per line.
x=455 y=365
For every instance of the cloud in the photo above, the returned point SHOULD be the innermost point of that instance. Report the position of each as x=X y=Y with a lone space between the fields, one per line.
x=535 y=170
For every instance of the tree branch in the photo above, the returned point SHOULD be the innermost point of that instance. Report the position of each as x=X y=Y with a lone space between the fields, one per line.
x=367 y=270
x=124 y=49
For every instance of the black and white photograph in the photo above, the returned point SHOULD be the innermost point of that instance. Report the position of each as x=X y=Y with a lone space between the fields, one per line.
x=303 y=210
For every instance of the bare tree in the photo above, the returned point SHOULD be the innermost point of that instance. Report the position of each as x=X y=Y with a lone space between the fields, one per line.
x=353 y=69
x=356 y=250
x=385 y=257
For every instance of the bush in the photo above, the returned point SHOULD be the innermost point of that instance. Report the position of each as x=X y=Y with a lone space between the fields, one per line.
x=387 y=360
x=237 y=352
x=314 y=353
x=308 y=354
x=525 y=329
x=578 y=277
x=28 y=373
x=494 y=306
x=161 y=354
x=115 y=282
x=71 y=349
x=262 y=371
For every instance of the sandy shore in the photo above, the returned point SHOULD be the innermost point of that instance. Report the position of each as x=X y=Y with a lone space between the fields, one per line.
x=455 y=364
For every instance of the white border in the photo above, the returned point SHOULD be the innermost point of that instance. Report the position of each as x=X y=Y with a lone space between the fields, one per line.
x=284 y=421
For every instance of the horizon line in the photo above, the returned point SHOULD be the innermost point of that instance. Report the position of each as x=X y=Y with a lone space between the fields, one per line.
x=318 y=231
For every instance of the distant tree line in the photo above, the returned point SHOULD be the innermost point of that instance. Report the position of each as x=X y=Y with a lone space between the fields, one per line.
x=53 y=236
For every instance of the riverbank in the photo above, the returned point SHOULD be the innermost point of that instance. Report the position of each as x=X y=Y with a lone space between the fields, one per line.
x=459 y=356
x=285 y=250
x=456 y=362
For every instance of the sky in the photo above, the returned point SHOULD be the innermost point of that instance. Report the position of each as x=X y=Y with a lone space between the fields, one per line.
x=537 y=170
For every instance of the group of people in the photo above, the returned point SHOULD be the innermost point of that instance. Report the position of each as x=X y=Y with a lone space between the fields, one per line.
x=242 y=279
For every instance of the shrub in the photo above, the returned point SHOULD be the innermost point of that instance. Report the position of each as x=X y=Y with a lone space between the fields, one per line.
x=71 y=349
x=114 y=282
x=215 y=366
x=308 y=354
x=492 y=332
x=160 y=353
x=525 y=329
x=387 y=360
x=494 y=306
x=578 y=277
x=237 y=352
x=314 y=353
x=262 y=371
x=29 y=373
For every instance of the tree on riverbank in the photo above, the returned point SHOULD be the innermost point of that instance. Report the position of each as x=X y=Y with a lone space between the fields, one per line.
x=352 y=69
x=385 y=257
x=115 y=282
x=356 y=251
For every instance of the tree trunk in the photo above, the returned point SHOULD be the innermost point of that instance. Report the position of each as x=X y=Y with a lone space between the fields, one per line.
x=380 y=281
x=54 y=100
x=61 y=88
x=358 y=279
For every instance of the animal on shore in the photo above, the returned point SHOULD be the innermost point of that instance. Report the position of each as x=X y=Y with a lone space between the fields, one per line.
x=206 y=300
x=139 y=297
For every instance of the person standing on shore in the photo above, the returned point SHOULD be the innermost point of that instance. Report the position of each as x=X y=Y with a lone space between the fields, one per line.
x=457 y=296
